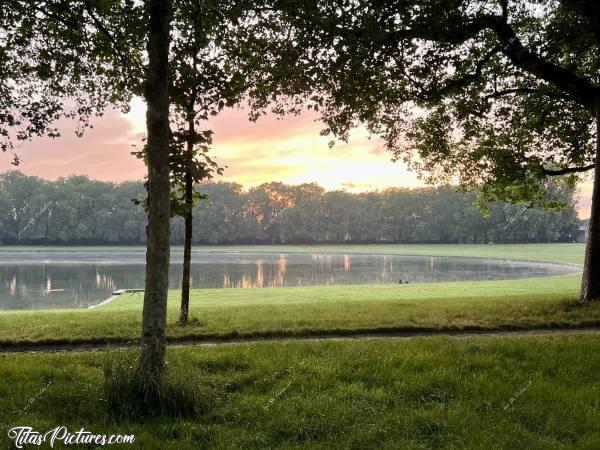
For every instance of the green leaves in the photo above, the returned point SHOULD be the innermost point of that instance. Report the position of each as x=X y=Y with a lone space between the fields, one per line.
x=65 y=59
x=189 y=162
x=468 y=92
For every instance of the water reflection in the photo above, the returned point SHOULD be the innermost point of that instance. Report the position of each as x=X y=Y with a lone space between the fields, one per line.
x=30 y=281
x=347 y=263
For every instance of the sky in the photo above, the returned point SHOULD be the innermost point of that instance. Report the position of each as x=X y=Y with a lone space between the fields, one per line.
x=272 y=149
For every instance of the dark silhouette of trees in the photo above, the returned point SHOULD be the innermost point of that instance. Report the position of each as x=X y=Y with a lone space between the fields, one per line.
x=77 y=210
x=64 y=59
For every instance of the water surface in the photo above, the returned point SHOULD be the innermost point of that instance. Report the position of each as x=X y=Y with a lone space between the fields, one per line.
x=42 y=280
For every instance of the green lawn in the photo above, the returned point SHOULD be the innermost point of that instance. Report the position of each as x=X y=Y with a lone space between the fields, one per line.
x=436 y=392
x=529 y=303
x=477 y=393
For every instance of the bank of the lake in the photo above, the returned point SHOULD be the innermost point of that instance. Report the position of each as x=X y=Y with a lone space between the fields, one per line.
x=223 y=313
x=37 y=280
x=559 y=252
x=268 y=312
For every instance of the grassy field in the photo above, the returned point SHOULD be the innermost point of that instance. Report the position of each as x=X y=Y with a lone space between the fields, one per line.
x=436 y=392
x=226 y=313
x=569 y=253
x=476 y=393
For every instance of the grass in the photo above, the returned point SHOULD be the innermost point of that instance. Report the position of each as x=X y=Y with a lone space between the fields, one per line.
x=537 y=392
x=226 y=313
x=302 y=311
x=435 y=392
x=569 y=253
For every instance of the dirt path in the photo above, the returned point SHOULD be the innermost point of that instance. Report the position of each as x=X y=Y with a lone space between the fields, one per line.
x=206 y=342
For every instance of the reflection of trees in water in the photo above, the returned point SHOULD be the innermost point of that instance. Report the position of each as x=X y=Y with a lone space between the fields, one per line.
x=347 y=263
x=12 y=286
x=61 y=285
x=266 y=274
x=279 y=279
x=23 y=286
x=260 y=281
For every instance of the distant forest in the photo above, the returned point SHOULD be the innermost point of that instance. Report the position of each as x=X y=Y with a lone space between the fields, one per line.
x=78 y=210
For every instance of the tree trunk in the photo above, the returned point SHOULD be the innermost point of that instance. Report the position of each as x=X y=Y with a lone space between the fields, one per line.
x=157 y=254
x=187 y=246
x=590 y=282
x=47 y=228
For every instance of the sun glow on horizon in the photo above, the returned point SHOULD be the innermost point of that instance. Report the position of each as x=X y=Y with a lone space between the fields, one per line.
x=292 y=151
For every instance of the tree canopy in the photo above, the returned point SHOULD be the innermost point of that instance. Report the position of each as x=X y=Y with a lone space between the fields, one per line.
x=64 y=59
x=494 y=95
x=78 y=210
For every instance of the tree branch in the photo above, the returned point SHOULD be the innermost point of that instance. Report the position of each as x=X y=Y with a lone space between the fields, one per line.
x=504 y=6
x=567 y=170
x=511 y=91
x=580 y=88
x=109 y=36
x=51 y=15
x=459 y=82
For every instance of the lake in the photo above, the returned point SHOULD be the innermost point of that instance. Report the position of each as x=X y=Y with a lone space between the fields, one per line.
x=79 y=279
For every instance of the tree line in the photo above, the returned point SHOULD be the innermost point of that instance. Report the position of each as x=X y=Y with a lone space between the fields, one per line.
x=79 y=210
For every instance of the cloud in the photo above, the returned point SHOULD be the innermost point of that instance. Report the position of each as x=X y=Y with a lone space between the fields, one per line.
x=103 y=152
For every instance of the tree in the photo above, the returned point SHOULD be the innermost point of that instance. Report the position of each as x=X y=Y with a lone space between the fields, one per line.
x=495 y=94
x=201 y=86
x=79 y=210
x=156 y=92
x=221 y=218
x=337 y=216
x=189 y=165
x=19 y=193
x=89 y=54
x=300 y=223
x=402 y=214
x=269 y=203
x=128 y=225
x=203 y=82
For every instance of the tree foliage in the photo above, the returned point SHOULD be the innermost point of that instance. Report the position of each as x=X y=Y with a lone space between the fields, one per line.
x=493 y=95
x=77 y=210
x=64 y=59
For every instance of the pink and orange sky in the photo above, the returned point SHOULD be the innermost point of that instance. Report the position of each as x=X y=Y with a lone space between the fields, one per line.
x=289 y=150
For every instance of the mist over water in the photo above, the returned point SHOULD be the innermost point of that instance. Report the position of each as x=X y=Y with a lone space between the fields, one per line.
x=46 y=280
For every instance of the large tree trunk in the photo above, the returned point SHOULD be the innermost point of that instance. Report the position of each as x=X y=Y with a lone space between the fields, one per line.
x=590 y=283
x=157 y=254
